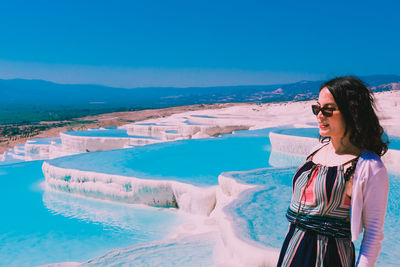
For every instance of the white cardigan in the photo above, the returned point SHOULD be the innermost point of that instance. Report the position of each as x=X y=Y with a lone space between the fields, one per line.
x=368 y=206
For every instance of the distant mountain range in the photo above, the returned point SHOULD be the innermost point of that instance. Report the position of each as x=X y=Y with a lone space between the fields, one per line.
x=39 y=93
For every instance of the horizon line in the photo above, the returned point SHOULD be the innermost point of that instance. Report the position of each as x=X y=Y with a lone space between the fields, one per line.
x=182 y=87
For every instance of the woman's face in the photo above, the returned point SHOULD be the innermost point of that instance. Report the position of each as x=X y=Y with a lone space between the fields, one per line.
x=334 y=126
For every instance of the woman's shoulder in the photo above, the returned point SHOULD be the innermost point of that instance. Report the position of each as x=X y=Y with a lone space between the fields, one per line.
x=371 y=159
x=370 y=165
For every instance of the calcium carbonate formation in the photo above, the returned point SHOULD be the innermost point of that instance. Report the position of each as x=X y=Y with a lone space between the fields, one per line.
x=217 y=201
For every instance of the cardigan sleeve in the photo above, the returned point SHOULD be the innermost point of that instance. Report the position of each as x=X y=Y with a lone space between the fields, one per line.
x=374 y=186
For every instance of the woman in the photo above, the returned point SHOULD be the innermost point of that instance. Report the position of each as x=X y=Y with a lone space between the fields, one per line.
x=344 y=171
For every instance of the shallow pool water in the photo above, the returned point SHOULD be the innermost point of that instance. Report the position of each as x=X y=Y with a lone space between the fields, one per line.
x=40 y=227
x=196 y=251
x=45 y=141
x=145 y=123
x=202 y=116
x=108 y=132
x=260 y=213
x=187 y=122
x=44 y=226
x=198 y=161
x=394 y=142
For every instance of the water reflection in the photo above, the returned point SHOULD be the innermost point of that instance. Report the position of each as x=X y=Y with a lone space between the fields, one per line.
x=136 y=219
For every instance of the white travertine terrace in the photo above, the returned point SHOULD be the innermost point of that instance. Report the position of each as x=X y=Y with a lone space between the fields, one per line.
x=297 y=145
x=202 y=124
x=82 y=144
x=206 y=201
x=388 y=107
x=301 y=146
x=189 y=198
x=245 y=251
x=189 y=125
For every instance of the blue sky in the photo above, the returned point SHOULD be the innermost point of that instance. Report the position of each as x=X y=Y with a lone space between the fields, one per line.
x=197 y=43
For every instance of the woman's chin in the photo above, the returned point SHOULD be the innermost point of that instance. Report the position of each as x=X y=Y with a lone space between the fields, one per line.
x=323 y=133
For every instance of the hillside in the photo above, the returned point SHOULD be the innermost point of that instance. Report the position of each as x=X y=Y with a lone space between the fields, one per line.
x=25 y=101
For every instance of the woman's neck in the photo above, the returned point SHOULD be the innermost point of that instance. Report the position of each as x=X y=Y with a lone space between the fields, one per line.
x=343 y=146
x=336 y=153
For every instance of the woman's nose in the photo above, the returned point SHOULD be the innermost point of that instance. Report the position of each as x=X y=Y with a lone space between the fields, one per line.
x=319 y=115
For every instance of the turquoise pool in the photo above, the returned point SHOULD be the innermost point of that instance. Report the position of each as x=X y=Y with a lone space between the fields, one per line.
x=45 y=141
x=260 y=213
x=108 y=132
x=44 y=227
x=197 y=161
x=40 y=227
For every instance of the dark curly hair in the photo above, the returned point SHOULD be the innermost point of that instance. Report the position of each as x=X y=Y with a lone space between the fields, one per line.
x=356 y=103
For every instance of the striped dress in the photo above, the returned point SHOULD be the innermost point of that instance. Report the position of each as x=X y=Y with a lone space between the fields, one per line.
x=319 y=216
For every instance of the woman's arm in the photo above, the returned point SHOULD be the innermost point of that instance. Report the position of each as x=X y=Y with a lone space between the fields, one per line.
x=375 y=195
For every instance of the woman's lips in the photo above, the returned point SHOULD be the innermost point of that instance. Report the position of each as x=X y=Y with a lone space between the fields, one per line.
x=323 y=125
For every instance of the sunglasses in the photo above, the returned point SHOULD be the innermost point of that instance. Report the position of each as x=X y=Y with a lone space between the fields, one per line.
x=326 y=111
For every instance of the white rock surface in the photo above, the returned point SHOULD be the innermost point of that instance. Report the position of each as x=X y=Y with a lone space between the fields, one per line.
x=165 y=193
